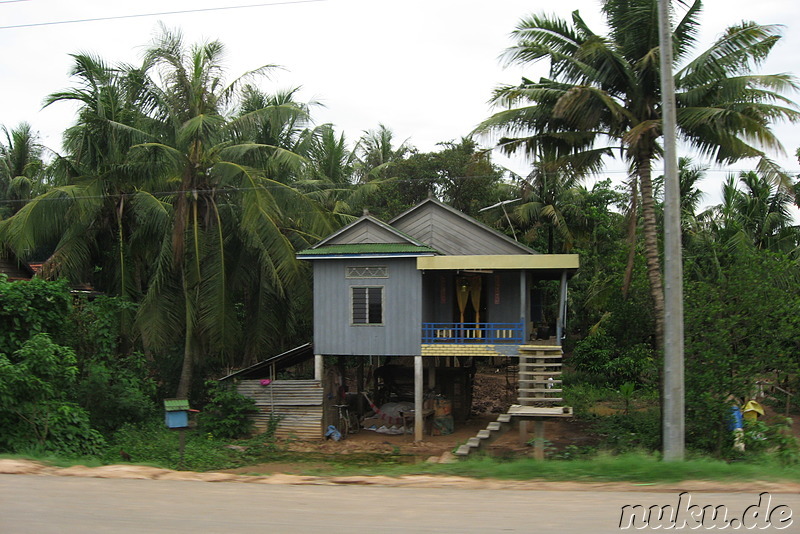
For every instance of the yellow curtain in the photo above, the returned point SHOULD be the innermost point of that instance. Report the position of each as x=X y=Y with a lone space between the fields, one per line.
x=475 y=294
x=462 y=294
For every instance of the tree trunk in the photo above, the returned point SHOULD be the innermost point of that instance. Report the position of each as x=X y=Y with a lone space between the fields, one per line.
x=187 y=369
x=651 y=252
x=633 y=217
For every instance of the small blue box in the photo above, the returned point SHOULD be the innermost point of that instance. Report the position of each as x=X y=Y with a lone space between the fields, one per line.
x=177 y=419
x=176 y=413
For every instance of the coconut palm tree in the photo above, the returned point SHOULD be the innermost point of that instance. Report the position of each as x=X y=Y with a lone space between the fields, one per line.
x=82 y=222
x=233 y=227
x=21 y=168
x=551 y=202
x=603 y=93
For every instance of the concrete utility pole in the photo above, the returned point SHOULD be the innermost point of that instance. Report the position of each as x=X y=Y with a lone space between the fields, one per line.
x=673 y=424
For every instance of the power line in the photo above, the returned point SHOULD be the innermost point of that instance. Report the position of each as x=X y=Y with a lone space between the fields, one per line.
x=158 y=14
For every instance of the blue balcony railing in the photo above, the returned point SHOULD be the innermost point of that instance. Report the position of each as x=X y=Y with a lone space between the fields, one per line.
x=472 y=333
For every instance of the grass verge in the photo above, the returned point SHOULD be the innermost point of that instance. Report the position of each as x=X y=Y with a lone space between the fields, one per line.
x=637 y=468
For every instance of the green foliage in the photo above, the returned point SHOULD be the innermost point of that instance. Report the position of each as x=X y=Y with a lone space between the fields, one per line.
x=581 y=395
x=31 y=307
x=227 y=414
x=739 y=328
x=151 y=442
x=634 y=431
x=35 y=411
x=113 y=386
x=602 y=355
x=775 y=440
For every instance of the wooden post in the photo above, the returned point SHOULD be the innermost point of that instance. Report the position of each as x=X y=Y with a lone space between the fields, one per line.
x=418 y=419
x=360 y=387
x=562 y=308
x=318 y=367
x=523 y=431
x=538 y=439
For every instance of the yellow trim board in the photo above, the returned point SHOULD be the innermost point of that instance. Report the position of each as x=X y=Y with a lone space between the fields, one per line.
x=507 y=261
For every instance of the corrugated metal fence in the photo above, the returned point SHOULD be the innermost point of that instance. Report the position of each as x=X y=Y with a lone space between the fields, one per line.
x=298 y=403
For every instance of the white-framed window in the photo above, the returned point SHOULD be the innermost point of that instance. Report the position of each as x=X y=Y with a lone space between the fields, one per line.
x=367 y=305
x=367 y=271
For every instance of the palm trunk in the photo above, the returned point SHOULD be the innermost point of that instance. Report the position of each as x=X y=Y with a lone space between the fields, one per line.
x=187 y=369
x=633 y=216
x=651 y=252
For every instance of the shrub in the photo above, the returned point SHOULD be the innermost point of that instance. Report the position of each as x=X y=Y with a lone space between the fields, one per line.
x=227 y=413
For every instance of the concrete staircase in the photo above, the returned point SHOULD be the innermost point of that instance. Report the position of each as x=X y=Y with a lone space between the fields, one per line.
x=539 y=395
x=493 y=430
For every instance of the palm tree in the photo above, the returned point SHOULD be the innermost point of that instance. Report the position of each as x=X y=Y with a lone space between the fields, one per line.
x=232 y=227
x=608 y=88
x=83 y=222
x=21 y=168
x=758 y=215
x=551 y=201
x=375 y=151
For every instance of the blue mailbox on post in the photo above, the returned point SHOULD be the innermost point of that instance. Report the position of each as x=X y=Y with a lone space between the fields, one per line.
x=176 y=413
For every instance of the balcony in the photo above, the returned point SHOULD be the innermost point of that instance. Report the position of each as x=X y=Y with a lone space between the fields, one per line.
x=464 y=333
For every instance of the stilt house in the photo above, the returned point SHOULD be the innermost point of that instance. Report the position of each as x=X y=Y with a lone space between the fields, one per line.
x=436 y=285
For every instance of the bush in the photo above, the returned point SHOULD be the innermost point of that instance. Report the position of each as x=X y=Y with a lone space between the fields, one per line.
x=152 y=442
x=635 y=431
x=227 y=414
x=601 y=355
x=35 y=410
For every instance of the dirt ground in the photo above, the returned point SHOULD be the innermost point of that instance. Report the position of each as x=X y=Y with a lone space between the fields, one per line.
x=491 y=397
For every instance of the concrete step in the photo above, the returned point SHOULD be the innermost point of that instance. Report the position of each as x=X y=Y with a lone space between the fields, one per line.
x=530 y=382
x=542 y=373
x=494 y=426
x=503 y=418
x=463 y=451
x=474 y=442
x=540 y=390
x=484 y=434
x=540 y=365
x=528 y=400
x=518 y=410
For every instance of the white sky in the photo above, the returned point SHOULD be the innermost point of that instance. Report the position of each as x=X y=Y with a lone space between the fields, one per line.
x=424 y=68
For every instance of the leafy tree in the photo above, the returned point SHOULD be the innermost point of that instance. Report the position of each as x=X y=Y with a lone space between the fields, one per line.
x=607 y=87
x=727 y=351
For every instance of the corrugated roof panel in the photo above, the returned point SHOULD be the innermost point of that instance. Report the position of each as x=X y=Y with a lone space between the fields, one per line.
x=367 y=248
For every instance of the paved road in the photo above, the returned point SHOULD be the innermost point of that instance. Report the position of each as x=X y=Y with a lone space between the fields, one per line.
x=45 y=504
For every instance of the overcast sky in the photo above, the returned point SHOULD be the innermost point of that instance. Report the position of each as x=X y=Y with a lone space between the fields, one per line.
x=424 y=68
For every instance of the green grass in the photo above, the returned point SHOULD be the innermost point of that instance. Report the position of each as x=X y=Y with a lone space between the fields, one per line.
x=633 y=467
x=637 y=468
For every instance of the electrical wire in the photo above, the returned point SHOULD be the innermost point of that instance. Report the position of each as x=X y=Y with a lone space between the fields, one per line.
x=158 y=14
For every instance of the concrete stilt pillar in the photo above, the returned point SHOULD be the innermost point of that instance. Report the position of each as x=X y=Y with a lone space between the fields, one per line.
x=318 y=367
x=418 y=419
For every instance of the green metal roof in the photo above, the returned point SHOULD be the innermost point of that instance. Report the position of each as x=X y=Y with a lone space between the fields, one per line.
x=368 y=248
x=176 y=405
